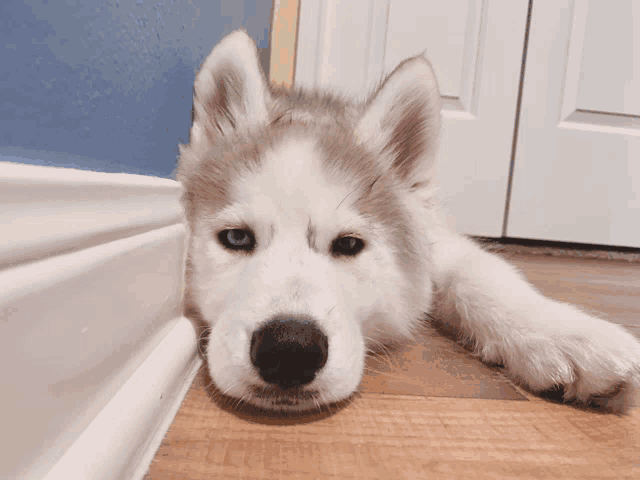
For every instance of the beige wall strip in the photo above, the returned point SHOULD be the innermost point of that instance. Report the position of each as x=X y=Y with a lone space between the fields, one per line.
x=284 y=32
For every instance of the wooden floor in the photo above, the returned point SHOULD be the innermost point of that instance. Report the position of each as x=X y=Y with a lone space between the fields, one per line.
x=428 y=410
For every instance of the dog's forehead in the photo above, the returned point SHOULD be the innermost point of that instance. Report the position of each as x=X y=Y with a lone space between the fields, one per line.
x=292 y=184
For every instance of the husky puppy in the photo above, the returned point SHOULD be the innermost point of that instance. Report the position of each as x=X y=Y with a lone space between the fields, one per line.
x=315 y=234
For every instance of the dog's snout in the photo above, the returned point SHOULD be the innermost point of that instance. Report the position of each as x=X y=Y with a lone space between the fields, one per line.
x=288 y=352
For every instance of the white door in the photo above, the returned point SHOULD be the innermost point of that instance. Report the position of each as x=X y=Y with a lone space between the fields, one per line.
x=476 y=48
x=577 y=165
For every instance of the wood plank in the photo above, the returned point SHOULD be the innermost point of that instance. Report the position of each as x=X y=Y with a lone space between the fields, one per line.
x=428 y=410
x=436 y=367
x=609 y=288
x=394 y=436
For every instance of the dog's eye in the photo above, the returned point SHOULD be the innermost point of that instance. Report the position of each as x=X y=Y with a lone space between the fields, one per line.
x=237 y=239
x=349 y=246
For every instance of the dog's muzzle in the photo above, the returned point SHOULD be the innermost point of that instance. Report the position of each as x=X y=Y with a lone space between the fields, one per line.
x=289 y=351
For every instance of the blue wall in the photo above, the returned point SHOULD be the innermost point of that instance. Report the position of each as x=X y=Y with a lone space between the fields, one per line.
x=106 y=85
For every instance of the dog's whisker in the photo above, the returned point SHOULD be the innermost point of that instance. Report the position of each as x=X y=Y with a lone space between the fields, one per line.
x=368 y=369
x=379 y=353
x=327 y=403
x=382 y=354
x=347 y=196
x=382 y=362
x=233 y=385
x=240 y=401
x=317 y=404
x=377 y=342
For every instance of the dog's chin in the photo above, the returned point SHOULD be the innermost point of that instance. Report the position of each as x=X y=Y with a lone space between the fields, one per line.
x=272 y=399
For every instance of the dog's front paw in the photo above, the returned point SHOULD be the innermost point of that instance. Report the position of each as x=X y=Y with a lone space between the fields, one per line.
x=593 y=361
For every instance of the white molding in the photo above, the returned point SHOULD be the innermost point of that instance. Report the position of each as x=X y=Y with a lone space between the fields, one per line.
x=122 y=440
x=312 y=13
x=377 y=34
x=58 y=210
x=576 y=172
x=10 y=171
x=95 y=356
x=74 y=328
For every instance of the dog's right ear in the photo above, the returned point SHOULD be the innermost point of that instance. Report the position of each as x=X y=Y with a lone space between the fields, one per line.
x=230 y=93
x=402 y=121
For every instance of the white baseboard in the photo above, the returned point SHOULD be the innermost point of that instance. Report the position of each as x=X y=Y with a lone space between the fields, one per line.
x=53 y=211
x=122 y=440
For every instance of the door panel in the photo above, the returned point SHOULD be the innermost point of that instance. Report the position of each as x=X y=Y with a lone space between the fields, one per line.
x=609 y=77
x=414 y=27
x=577 y=166
x=341 y=44
x=476 y=48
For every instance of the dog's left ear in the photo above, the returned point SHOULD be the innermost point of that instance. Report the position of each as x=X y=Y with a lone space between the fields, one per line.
x=230 y=93
x=402 y=121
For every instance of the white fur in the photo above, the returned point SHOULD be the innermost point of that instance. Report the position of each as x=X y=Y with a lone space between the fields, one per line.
x=542 y=342
x=366 y=299
x=353 y=300
x=417 y=78
x=238 y=52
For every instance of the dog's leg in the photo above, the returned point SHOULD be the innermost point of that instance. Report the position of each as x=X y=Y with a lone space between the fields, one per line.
x=542 y=343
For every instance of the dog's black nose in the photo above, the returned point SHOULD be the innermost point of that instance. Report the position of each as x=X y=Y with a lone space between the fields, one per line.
x=289 y=352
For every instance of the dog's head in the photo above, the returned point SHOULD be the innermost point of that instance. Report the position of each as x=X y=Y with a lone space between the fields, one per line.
x=307 y=228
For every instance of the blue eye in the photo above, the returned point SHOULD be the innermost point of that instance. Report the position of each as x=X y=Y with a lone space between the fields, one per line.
x=237 y=239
